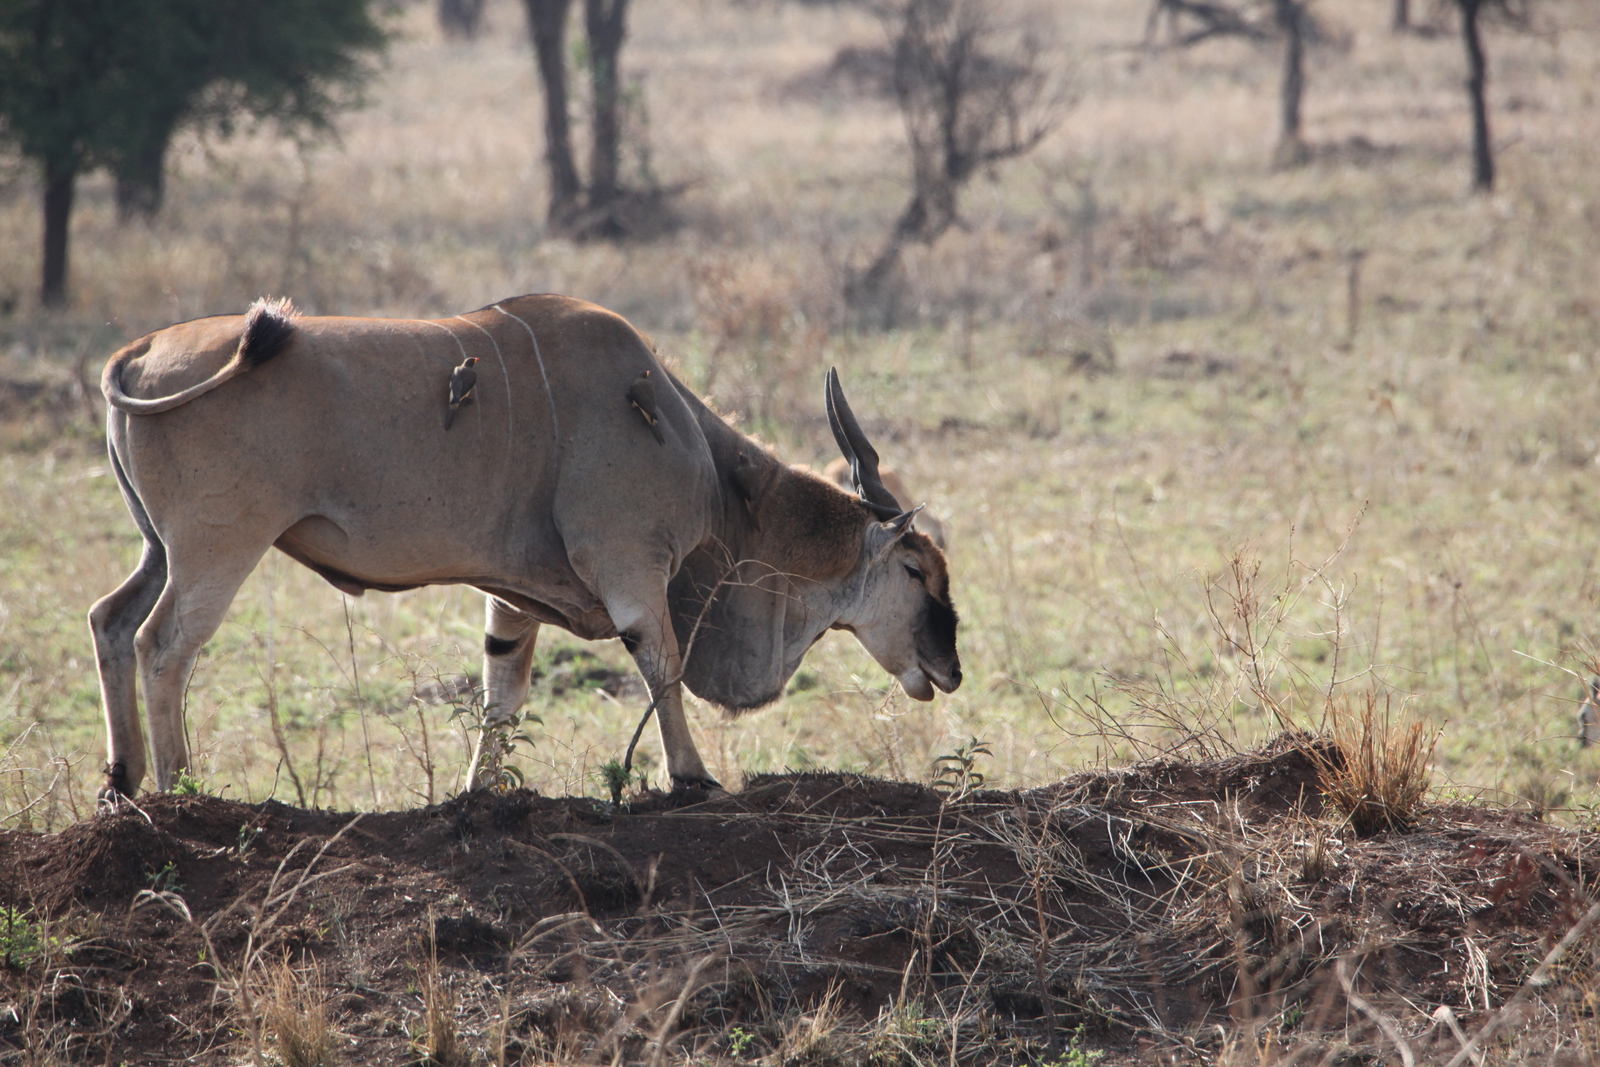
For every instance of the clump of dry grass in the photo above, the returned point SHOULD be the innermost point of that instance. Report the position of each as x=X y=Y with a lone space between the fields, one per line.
x=1380 y=775
x=906 y=1033
x=438 y=1039
x=815 y=1036
x=296 y=1016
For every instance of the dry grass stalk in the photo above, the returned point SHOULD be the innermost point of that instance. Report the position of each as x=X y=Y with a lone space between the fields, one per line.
x=1382 y=776
x=296 y=1016
x=812 y=1037
x=1314 y=858
x=438 y=1043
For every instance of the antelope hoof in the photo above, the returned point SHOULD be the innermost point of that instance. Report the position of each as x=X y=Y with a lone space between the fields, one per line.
x=706 y=782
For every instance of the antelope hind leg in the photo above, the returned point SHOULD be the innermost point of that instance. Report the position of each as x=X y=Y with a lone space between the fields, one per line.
x=114 y=620
x=201 y=582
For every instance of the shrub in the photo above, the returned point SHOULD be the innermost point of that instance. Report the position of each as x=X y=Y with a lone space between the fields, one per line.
x=20 y=939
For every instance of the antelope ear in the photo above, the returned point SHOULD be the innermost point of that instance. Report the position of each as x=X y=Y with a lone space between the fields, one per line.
x=896 y=528
x=901 y=523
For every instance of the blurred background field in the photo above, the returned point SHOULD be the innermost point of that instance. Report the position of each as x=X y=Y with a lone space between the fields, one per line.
x=1216 y=444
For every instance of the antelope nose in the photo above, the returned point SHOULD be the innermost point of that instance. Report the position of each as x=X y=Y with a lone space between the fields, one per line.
x=955 y=676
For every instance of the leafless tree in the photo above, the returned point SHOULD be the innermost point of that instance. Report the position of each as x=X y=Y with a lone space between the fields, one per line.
x=605 y=207
x=1189 y=22
x=605 y=22
x=1291 y=18
x=547 y=26
x=974 y=88
x=1477 y=84
x=1514 y=13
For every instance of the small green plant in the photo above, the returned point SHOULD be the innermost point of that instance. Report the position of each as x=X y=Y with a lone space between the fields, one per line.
x=21 y=940
x=1075 y=1054
x=616 y=777
x=955 y=773
x=502 y=740
x=188 y=785
x=248 y=833
x=165 y=880
x=740 y=1041
x=803 y=681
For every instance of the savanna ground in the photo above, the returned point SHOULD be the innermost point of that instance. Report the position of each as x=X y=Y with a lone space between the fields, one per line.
x=1198 y=487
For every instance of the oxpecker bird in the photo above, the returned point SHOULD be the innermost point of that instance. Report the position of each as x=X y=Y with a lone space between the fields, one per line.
x=1589 y=714
x=462 y=379
x=642 y=395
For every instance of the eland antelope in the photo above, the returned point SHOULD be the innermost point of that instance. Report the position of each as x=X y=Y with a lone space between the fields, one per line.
x=716 y=564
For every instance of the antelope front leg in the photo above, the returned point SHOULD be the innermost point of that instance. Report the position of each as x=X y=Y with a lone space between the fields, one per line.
x=684 y=765
x=647 y=635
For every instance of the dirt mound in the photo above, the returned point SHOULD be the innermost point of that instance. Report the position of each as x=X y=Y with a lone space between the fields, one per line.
x=1146 y=905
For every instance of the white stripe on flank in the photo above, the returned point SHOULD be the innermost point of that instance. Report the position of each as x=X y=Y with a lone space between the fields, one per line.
x=446 y=329
x=510 y=428
x=555 y=422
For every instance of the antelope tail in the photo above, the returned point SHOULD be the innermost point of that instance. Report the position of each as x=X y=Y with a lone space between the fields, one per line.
x=267 y=327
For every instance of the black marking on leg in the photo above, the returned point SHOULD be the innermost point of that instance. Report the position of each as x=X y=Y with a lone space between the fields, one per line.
x=117 y=780
x=629 y=642
x=500 y=646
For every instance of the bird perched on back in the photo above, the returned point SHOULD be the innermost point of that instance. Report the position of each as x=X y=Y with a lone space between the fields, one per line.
x=462 y=379
x=1589 y=714
x=642 y=395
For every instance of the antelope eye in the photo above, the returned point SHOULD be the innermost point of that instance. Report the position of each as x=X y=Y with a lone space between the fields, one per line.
x=916 y=575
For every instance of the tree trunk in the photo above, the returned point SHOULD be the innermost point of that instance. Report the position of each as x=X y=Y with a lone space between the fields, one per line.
x=1291 y=150
x=873 y=293
x=141 y=178
x=58 y=188
x=547 y=25
x=1477 y=82
x=1402 y=16
x=606 y=24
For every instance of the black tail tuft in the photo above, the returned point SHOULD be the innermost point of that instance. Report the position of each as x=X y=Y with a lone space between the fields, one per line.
x=267 y=327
